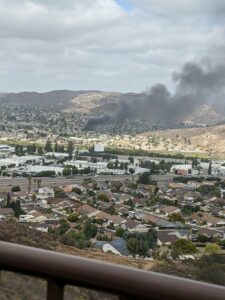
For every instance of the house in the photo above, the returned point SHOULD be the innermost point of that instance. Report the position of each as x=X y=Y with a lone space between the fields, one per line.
x=87 y=210
x=46 y=191
x=205 y=218
x=118 y=247
x=208 y=232
x=167 y=237
x=115 y=219
x=132 y=225
x=167 y=210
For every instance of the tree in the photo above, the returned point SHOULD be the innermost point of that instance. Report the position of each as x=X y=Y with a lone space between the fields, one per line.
x=210 y=168
x=15 y=205
x=67 y=171
x=63 y=227
x=48 y=146
x=131 y=171
x=15 y=189
x=8 y=200
x=73 y=217
x=120 y=231
x=144 y=178
x=140 y=243
x=176 y=217
x=222 y=244
x=70 y=149
x=203 y=238
x=56 y=147
x=77 y=191
x=89 y=230
x=182 y=247
x=131 y=159
x=103 y=197
x=194 y=162
x=40 y=151
x=212 y=248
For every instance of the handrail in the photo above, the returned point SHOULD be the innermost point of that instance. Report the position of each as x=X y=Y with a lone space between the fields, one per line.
x=61 y=269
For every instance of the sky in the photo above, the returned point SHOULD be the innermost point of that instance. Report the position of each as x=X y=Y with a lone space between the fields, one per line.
x=110 y=45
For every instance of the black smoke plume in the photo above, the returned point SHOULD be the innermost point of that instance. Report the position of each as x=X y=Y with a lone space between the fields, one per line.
x=194 y=85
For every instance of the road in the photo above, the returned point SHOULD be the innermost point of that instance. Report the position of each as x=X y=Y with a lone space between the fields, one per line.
x=7 y=182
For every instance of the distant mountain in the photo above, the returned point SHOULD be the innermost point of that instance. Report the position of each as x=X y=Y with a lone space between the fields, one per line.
x=57 y=98
x=118 y=105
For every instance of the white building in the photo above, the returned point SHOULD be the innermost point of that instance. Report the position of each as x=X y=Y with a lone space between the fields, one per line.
x=57 y=155
x=38 y=169
x=99 y=148
x=6 y=150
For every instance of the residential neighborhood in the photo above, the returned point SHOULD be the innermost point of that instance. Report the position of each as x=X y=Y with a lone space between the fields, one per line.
x=131 y=206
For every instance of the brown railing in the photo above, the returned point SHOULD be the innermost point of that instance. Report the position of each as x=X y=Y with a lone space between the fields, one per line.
x=61 y=269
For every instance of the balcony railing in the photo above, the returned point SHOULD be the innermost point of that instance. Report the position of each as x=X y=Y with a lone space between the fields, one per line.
x=60 y=270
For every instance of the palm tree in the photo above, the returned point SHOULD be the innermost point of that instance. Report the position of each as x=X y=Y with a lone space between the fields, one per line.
x=29 y=182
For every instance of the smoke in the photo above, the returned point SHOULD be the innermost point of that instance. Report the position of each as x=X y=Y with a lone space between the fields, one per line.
x=196 y=84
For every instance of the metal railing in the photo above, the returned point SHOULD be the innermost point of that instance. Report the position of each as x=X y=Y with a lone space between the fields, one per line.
x=61 y=269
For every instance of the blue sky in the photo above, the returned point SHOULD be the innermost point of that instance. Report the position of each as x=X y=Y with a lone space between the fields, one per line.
x=125 y=4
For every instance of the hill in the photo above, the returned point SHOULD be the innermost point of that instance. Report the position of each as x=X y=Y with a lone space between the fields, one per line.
x=119 y=106
x=208 y=140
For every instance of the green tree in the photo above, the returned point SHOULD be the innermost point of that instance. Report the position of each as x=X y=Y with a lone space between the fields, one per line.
x=120 y=231
x=210 y=168
x=131 y=171
x=212 y=248
x=103 y=197
x=203 y=238
x=56 y=147
x=182 y=247
x=144 y=178
x=63 y=227
x=48 y=146
x=40 y=150
x=89 y=230
x=67 y=171
x=140 y=243
x=70 y=149
x=131 y=159
x=73 y=217
x=15 y=205
x=176 y=217
x=77 y=190
x=15 y=189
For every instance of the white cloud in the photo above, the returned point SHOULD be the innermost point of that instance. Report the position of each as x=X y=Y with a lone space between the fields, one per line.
x=96 y=44
x=182 y=8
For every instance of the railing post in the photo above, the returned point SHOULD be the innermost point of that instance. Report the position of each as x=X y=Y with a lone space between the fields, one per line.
x=55 y=290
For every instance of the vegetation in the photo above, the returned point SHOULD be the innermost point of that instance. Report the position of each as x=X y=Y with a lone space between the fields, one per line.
x=15 y=189
x=73 y=217
x=141 y=243
x=209 y=189
x=182 y=247
x=176 y=217
x=144 y=178
x=212 y=248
